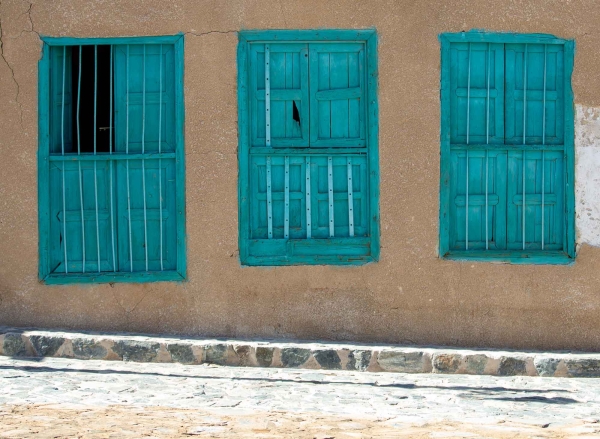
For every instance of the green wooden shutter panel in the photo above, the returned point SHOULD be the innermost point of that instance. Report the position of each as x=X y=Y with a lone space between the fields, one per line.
x=337 y=94
x=289 y=88
x=153 y=171
x=500 y=148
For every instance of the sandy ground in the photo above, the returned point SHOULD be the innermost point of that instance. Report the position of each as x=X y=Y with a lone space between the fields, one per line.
x=35 y=421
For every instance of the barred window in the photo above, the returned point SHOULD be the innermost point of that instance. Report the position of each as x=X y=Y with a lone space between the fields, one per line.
x=309 y=175
x=507 y=164
x=111 y=160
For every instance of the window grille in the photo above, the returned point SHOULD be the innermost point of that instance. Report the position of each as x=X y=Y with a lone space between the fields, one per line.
x=507 y=148
x=111 y=166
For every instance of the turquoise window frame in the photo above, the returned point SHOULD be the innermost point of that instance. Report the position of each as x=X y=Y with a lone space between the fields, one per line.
x=45 y=274
x=568 y=254
x=324 y=250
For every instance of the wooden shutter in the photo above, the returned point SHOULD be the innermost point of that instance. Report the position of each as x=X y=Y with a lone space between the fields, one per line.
x=526 y=67
x=288 y=77
x=479 y=160
x=553 y=198
x=337 y=91
x=532 y=85
x=503 y=154
x=474 y=69
x=129 y=88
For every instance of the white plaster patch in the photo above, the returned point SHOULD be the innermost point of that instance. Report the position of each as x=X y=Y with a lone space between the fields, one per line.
x=587 y=174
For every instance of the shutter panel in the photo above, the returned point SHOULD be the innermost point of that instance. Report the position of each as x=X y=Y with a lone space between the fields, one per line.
x=288 y=77
x=337 y=89
x=56 y=97
x=159 y=174
x=74 y=230
x=496 y=200
x=475 y=69
x=61 y=127
x=486 y=64
x=534 y=91
x=553 y=195
x=525 y=68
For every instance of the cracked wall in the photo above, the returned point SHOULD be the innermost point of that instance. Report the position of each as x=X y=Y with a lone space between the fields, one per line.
x=410 y=296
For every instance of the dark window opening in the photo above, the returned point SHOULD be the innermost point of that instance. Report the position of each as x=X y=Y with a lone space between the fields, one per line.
x=85 y=91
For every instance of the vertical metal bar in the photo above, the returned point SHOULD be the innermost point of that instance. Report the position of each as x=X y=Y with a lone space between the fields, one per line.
x=330 y=188
x=286 y=222
x=127 y=161
x=350 y=200
x=487 y=141
x=110 y=147
x=79 y=165
x=544 y=143
x=267 y=96
x=62 y=142
x=524 y=133
x=143 y=151
x=160 y=160
x=269 y=200
x=308 y=214
x=467 y=151
x=95 y=167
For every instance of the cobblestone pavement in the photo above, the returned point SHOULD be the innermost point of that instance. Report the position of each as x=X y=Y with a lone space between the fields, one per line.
x=98 y=399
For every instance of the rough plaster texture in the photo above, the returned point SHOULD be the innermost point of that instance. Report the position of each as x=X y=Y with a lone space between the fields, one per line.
x=410 y=296
x=587 y=172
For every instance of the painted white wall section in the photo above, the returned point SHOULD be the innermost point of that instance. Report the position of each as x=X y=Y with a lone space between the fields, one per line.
x=587 y=174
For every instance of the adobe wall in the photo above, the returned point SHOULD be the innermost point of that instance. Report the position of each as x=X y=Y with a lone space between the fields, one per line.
x=410 y=296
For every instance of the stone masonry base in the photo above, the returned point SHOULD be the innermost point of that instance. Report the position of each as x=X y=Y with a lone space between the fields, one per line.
x=20 y=342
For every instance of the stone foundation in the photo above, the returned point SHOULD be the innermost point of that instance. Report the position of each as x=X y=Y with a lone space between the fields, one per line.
x=17 y=342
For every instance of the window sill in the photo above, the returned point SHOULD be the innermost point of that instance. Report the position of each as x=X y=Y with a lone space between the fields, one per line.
x=265 y=261
x=98 y=278
x=512 y=257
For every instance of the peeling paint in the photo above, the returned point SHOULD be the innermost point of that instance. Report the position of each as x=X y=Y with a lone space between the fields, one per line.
x=587 y=174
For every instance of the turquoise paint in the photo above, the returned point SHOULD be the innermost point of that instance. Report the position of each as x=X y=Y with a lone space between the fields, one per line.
x=69 y=41
x=337 y=115
x=505 y=152
x=171 y=171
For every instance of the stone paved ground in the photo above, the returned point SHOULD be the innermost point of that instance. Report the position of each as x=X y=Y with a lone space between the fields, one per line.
x=60 y=398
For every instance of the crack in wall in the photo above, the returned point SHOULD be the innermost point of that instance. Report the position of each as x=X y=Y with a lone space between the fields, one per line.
x=201 y=34
x=125 y=310
x=12 y=71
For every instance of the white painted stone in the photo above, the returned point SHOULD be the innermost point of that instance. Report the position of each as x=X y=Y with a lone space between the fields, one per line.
x=587 y=174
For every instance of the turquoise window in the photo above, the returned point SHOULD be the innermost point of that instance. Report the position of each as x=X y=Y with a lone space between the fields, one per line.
x=308 y=153
x=111 y=160
x=507 y=154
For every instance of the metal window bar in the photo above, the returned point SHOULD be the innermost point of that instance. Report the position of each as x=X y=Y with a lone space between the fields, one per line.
x=110 y=147
x=544 y=143
x=350 y=200
x=487 y=141
x=127 y=161
x=79 y=166
x=267 y=97
x=62 y=142
x=286 y=222
x=330 y=187
x=143 y=151
x=524 y=133
x=269 y=200
x=160 y=160
x=95 y=163
x=467 y=151
x=308 y=214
